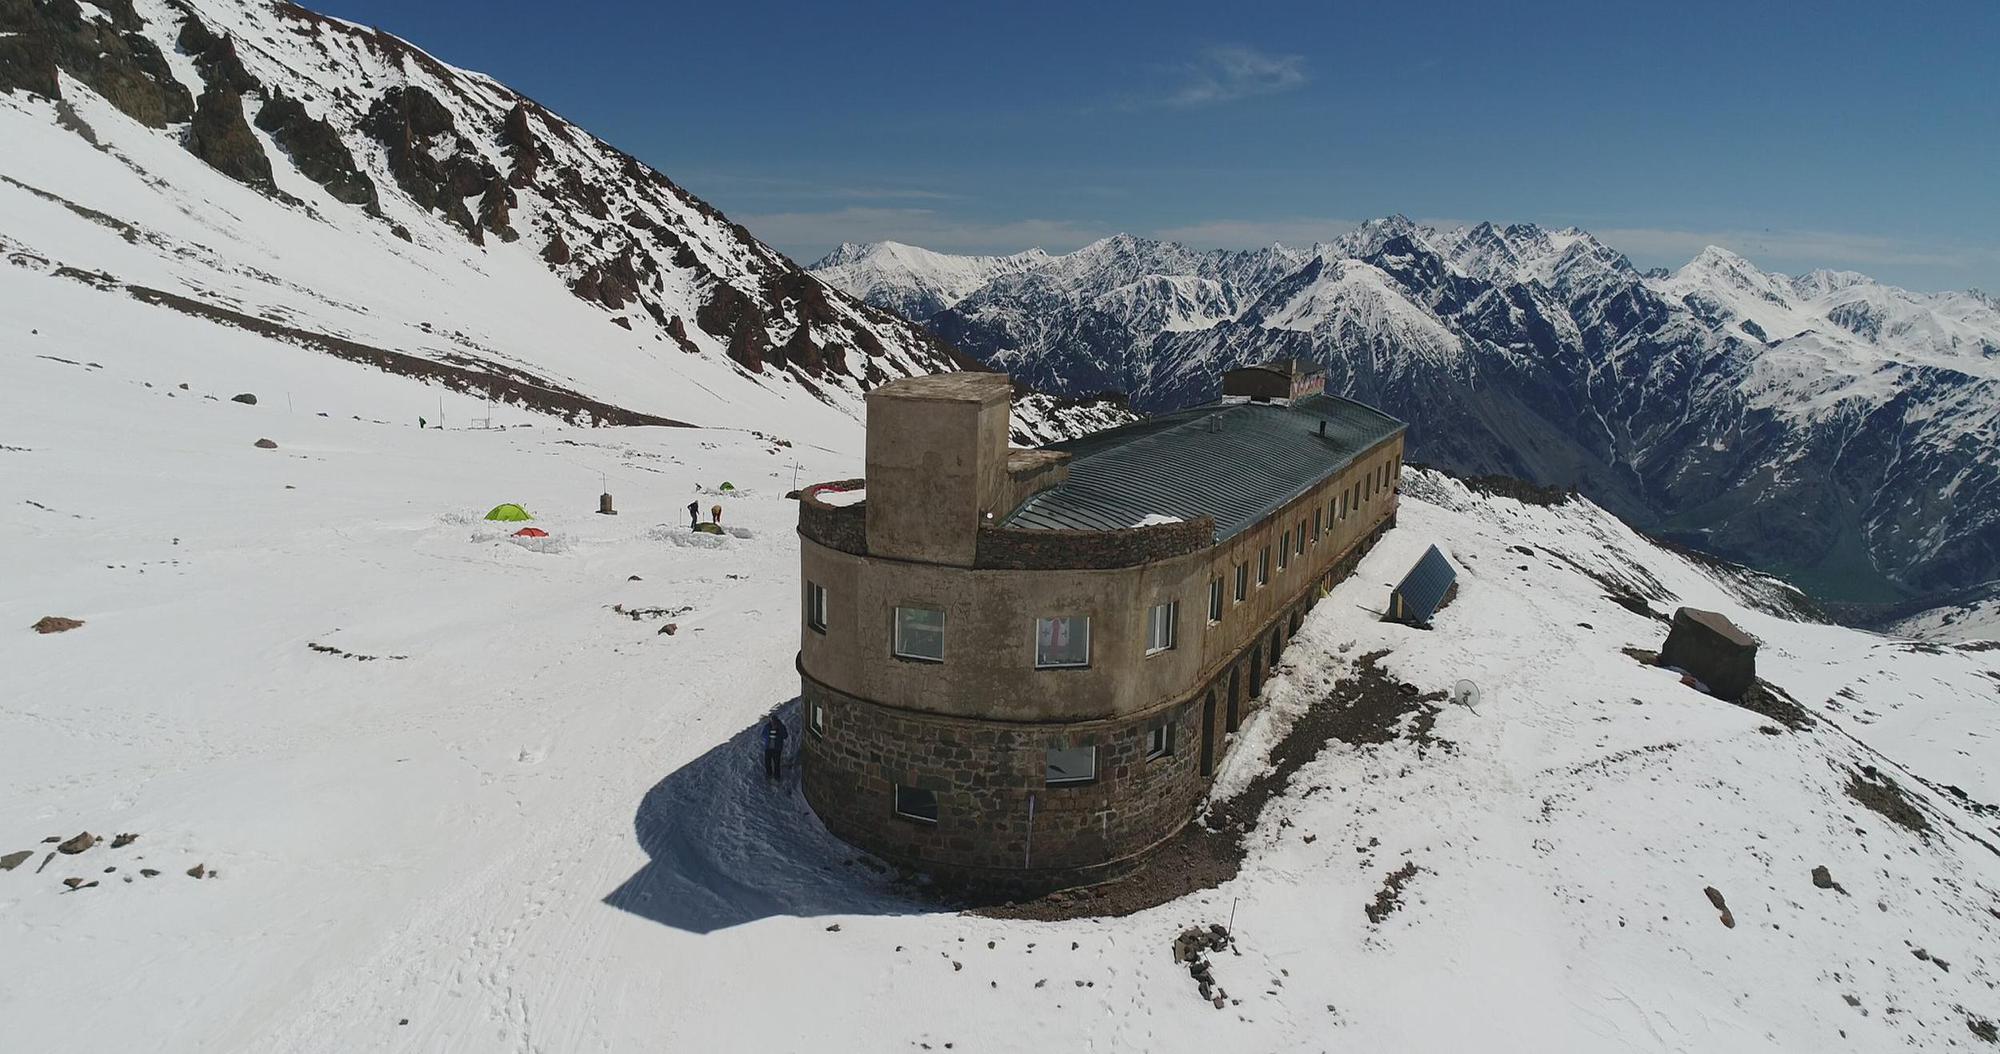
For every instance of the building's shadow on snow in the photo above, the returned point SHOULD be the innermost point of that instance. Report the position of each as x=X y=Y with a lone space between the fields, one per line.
x=729 y=847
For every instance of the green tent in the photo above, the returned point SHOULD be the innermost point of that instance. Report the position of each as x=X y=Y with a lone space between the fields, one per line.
x=510 y=512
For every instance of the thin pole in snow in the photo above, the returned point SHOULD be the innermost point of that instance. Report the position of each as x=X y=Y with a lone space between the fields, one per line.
x=288 y=402
x=1232 y=915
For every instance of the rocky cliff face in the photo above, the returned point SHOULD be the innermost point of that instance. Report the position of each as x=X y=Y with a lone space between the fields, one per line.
x=1826 y=426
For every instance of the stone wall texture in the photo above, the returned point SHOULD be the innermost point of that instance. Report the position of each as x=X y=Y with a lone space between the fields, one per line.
x=984 y=772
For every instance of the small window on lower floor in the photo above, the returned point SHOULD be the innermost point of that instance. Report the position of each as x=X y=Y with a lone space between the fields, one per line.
x=1160 y=742
x=916 y=803
x=1072 y=765
x=818 y=721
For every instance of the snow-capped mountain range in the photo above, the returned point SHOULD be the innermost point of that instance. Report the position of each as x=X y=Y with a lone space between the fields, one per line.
x=328 y=186
x=1829 y=427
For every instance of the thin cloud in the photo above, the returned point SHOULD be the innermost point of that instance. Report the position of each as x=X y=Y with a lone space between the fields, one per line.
x=809 y=234
x=1236 y=71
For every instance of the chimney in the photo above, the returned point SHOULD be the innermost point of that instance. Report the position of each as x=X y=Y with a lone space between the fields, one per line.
x=937 y=462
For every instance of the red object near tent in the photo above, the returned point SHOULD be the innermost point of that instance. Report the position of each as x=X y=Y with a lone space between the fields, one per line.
x=531 y=532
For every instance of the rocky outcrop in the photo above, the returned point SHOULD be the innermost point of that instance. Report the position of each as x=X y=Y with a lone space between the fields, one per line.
x=415 y=129
x=214 y=57
x=557 y=251
x=106 y=50
x=521 y=147
x=496 y=207
x=221 y=137
x=316 y=150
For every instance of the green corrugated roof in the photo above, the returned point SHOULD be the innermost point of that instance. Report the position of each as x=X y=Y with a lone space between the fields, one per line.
x=1234 y=462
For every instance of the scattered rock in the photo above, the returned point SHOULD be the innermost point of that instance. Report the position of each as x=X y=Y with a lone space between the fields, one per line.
x=403 y=1021
x=148 y=872
x=197 y=871
x=123 y=840
x=245 y=398
x=632 y=578
x=78 y=844
x=45 y=863
x=1824 y=879
x=956 y=966
x=1982 y=1028
x=835 y=928
x=266 y=444
x=1390 y=896
x=14 y=860
x=52 y=838
x=1884 y=796
x=56 y=624
x=73 y=883
x=670 y=628
x=1715 y=898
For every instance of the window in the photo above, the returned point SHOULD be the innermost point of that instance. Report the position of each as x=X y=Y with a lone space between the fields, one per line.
x=1343 y=505
x=817 y=722
x=1160 y=626
x=1316 y=526
x=1215 y=600
x=916 y=803
x=1062 y=641
x=816 y=606
x=1072 y=765
x=1160 y=742
x=1264 y=566
x=1242 y=582
x=1284 y=549
x=1299 y=538
x=920 y=634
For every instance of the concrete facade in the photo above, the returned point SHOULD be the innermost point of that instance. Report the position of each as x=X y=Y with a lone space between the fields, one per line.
x=973 y=730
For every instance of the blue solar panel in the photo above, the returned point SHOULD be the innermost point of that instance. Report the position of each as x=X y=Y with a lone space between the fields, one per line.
x=1420 y=592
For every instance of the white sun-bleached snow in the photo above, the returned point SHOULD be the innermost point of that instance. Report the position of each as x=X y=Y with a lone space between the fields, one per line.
x=532 y=821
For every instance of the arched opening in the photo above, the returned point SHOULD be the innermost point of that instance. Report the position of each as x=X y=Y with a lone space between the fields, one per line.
x=1208 y=734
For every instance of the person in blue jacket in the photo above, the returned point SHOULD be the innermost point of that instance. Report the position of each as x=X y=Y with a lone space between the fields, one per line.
x=774 y=747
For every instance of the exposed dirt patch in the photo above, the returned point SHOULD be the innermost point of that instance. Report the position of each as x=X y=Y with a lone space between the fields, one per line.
x=1775 y=703
x=328 y=649
x=1882 y=795
x=1982 y=1028
x=1365 y=708
x=1970 y=645
x=55 y=624
x=1390 y=896
x=642 y=614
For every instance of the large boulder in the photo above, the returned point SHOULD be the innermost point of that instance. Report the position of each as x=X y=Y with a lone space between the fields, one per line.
x=1713 y=649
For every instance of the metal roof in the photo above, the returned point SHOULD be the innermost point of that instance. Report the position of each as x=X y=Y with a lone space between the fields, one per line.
x=1234 y=462
x=1420 y=592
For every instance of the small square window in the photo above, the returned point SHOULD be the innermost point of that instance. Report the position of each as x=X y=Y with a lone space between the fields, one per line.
x=1160 y=626
x=916 y=803
x=818 y=720
x=920 y=634
x=1063 y=641
x=1071 y=765
x=816 y=606
x=1159 y=741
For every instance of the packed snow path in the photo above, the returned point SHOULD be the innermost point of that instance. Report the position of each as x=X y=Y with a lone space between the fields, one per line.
x=535 y=822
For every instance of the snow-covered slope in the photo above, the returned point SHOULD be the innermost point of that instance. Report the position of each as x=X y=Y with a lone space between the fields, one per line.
x=915 y=283
x=1971 y=616
x=264 y=168
x=1826 y=426
x=455 y=790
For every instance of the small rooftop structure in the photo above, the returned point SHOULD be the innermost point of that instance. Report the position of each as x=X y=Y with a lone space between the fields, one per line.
x=1713 y=649
x=1232 y=462
x=1424 y=590
x=1277 y=379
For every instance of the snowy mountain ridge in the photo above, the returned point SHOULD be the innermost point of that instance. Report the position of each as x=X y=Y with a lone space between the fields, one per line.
x=336 y=188
x=1826 y=426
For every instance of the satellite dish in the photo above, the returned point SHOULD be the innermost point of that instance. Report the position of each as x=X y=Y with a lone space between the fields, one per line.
x=1466 y=694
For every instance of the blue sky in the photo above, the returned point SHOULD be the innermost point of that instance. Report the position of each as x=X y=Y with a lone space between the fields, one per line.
x=1833 y=134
